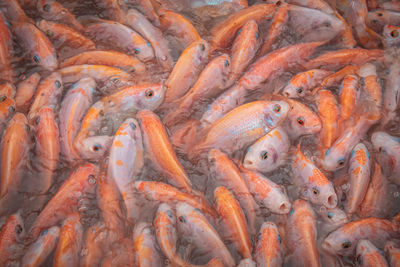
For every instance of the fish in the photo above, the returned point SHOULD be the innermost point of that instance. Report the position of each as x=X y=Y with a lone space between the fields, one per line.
x=313 y=184
x=224 y=32
x=69 y=242
x=158 y=191
x=269 y=152
x=376 y=202
x=391 y=39
x=186 y=70
x=379 y=18
x=12 y=235
x=266 y=192
x=390 y=5
x=48 y=93
x=121 y=37
x=126 y=101
x=129 y=64
x=36 y=43
x=343 y=241
x=243 y=125
x=178 y=26
x=312 y=25
x=277 y=27
x=25 y=91
x=244 y=49
x=347 y=39
x=302 y=83
x=73 y=107
x=301 y=235
x=268 y=251
x=233 y=219
x=54 y=11
x=371 y=85
x=349 y=96
x=392 y=253
x=144 y=247
x=126 y=162
x=110 y=78
x=14 y=146
x=328 y=112
x=334 y=60
x=38 y=252
x=159 y=150
x=94 y=245
x=212 y=80
x=336 y=77
x=191 y=222
x=154 y=35
x=226 y=173
x=80 y=182
x=330 y=219
x=62 y=35
x=369 y=255
x=387 y=150
x=359 y=177
x=6 y=50
x=47 y=149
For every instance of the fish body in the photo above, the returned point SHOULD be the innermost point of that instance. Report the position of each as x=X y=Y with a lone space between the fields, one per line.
x=301 y=84
x=144 y=247
x=269 y=246
x=368 y=255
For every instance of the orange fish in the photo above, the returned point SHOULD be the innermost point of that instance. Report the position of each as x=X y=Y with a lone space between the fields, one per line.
x=212 y=81
x=186 y=70
x=336 y=77
x=224 y=33
x=166 y=193
x=38 y=252
x=328 y=112
x=346 y=40
x=53 y=10
x=268 y=251
x=62 y=35
x=6 y=71
x=370 y=84
x=376 y=202
x=69 y=242
x=48 y=93
x=233 y=220
x=14 y=149
x=276 y=28
x=7 y=103
x=82 y=181
x=302 y=83
x=25 y=91
x=334 y=60
x=130 y=64
x=392 y=253
x=349 y=96
x=94 y=246
x=11 y=236
x=226 y=173
x=33 y=40
x=301 y=235
x=368 y=255
x=159 y=150
x=144 y=247
x=244 y=49
x=47 y=148
x=154 y=35
x=178 y=26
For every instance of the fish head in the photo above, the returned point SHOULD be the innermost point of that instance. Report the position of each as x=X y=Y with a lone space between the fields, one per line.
x=151 y=97
x=339 y=243
x=383 y=145
x=275 y=113
x=95 y=147
x=14 y=228
x=334 y=159
x=335 y=216
x=322 y=195
x=391 y=36
x=293 y=90
x=302 y=120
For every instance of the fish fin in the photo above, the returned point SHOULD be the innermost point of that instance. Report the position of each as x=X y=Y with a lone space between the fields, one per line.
x=176 y=116
x=182 y=139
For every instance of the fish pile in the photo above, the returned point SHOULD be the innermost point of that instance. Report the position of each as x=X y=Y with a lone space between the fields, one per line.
x=199 y=133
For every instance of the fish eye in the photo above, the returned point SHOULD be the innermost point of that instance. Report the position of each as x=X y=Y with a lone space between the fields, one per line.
x=92 y=179
x=3 y=98
x=149 y=93
x=11 y=109
x=326 y=24
x=226 y=64
x=96 y=147
x=202 y=47
x=58 y=84
x=137 y=50
x=36 y=58
x=133 y=126
x=330 y=215
x=394 y=34
x=46 y=7
x=264 y=155
x=346 y=244
x=277 y=108
x=380 y=14
x=49 y=33
x=169 y=213
x=300 y=120
x=182 y=219
x=315 y=191
x=299 y=90
x=18 y=229
x=340 y=162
